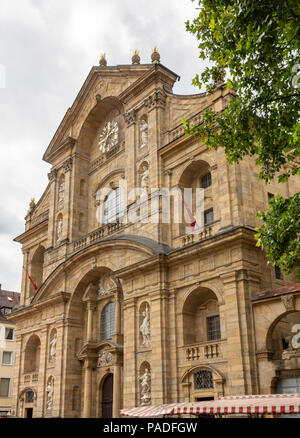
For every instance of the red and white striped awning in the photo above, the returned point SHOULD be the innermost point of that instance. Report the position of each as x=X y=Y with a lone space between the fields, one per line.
x=250 y=404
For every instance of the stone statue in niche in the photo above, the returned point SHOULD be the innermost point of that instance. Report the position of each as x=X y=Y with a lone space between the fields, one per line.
x=53 y=348
x=145 y=327
x=143 y=133
x=145 y=388
x=61 y=191
x=59 y=229
x=145 y=178
x=49 y=391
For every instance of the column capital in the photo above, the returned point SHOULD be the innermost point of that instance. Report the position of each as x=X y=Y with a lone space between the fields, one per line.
x=52 y=175
x=156 y=100
x=68 y=164
x=130 y=117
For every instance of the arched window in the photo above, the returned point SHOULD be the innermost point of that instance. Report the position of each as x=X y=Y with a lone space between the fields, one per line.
x=113 y=208
x=107 y=321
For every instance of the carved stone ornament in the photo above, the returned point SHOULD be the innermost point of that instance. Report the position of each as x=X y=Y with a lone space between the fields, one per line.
x=145 y=178
x=143 y=133
x=61 y=191
x=145 y=327
x=107 y=284
x=67 y=165
x=145 y=388
x=288 y=302
x=52 y=175
x=109 y=136
x=130 y=117
x=105 y=359
x=59 y=229
x=49 y=392
x=157 y=99
x=52 y=354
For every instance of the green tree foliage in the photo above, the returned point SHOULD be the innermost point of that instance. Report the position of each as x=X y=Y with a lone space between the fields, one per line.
x=256 y=45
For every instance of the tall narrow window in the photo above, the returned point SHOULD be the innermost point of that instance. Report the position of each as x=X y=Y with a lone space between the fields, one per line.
x=107 y=321
x=113 y=209
x=9 y=334
x=213 y=328
x=4 y=387
x=208 y=216
x=7 y=358
x=206 y=180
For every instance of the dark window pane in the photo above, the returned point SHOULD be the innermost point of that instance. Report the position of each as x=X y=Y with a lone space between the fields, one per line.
x=4 y=387
x=206 y=180
x=9 y=333
x=208 y=216
x=107 y=321
x=203 y=379
x=213 y=328
x=29 y=398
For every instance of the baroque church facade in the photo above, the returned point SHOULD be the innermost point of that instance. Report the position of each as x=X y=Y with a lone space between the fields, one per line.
x=145 y=312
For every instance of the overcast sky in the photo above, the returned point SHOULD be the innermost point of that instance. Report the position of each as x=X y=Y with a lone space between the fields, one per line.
x=47 y=48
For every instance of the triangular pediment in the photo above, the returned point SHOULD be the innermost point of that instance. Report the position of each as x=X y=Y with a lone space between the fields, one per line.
x=101 y=83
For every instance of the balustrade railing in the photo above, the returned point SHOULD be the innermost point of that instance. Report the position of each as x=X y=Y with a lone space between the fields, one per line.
x=202 y=351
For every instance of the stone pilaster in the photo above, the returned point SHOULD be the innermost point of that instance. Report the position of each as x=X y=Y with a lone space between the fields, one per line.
x=236 y=374
x=129 y=368
x=159 y=339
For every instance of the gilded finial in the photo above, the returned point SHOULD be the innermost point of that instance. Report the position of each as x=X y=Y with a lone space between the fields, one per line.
x=136 y=58
x=103 y=62
x=155 y=57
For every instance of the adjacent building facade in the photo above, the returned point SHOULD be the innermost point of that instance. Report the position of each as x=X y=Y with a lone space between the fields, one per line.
x=8 y=300
x=144 y=311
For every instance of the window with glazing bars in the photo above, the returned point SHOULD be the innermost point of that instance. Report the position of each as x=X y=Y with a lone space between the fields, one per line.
x=107 y=321
x=203 y=379
x=113 y=208
x=213 y=328
x=208 y=216
x=206 y=180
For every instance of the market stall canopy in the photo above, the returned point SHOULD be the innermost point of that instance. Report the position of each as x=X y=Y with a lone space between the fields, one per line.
x=247 y=404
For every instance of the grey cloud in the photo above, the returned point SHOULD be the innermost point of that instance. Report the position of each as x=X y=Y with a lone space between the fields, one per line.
x=48 y=48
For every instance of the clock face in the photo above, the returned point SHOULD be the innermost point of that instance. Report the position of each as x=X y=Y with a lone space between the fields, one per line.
x=109 y=136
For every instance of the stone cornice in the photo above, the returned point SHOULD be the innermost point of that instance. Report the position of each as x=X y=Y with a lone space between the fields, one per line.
x=158 y=261
x=31 y=232
x=157 y=73
x=23 y=312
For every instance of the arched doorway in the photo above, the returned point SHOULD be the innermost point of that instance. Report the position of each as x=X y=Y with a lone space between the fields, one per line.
x=107 y=397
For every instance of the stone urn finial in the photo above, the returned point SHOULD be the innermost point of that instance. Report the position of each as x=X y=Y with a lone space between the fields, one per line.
x=136 y=58
x=155 y=57
x=103 y=62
